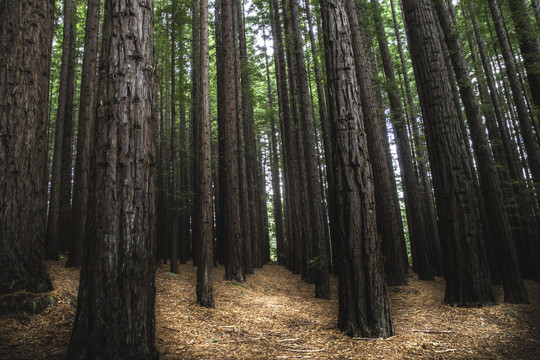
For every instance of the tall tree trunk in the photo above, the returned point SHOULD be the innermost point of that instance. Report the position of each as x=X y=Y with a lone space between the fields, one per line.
x=81 y=180
x=173 y=218
x=116 y=303
x=284 y=120
x=318 y=237
x=467 y=273
x=500 y=233
x=195 y=121
x=416 y=213
x=25 y=54
x=531 y=145
x=388 y=217
x=64 y=122
x=245 y=110
x=205 y=267
x=529 y=45
x=228 y=174
x=274 y=167
x=425 y=184
x=364 y=307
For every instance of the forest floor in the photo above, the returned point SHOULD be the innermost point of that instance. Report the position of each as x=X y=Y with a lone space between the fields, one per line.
x=274 y=316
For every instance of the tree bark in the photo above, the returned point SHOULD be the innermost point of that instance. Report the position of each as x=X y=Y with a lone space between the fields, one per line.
x=115 y=315
x=500 y=233
x=467 y=273
x=364 y=307
x=388 y=212
x=84 y=136
x=228 y=174
x=25 y=53
x=205 y=267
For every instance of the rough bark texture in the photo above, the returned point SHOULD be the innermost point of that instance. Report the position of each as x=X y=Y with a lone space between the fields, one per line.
x=205 y=267
x=388 y=217
x=115 y=312
x=467 y=273
x=228 y=174
x=499 y=234
x=84 y=138
x=434 y=245
x=195 y=122
x=317 y=240
x=26 y=30
x=416 y=213
x=173 y=203
x=364 y=307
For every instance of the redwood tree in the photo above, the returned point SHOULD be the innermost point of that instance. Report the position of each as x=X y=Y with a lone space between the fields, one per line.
x=115 y=311
x=364 y=306
x=26 y=30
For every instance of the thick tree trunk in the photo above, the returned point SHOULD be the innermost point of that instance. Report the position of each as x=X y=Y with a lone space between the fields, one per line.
x=25 y=53
x=388 y=212
x=205 y=268
x=84 y=136
x=364 y=307
x=467 y=273
x=115 y=315
x=228 y=174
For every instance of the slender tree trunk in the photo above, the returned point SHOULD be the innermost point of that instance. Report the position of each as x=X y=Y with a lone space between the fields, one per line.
x=467 y=273
x=116 y=303
x=230 y=197
x=274 y=167
x=205 y=268
x=25 y=54
x=529 y=45
x=500 y=234
x=531 y=145
x=318 y=237
x=195 y=121
x=389 y=223
x=173 y=218
x=434 y=252
x=416 y=214
x=84 y=135
x=364 y=307
x=57 y=203
x=284 y=119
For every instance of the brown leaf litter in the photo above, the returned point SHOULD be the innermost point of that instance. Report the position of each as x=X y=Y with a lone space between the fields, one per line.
x=275 y=316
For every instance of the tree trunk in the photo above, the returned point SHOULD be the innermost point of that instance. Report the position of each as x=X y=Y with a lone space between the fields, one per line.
x=416 y=213
x=58 y=206
x=205 y=267
x=364 y=307
x=467 y=273
x=529 y=45
x=84 y=136
x=173 y=218
x=388 y=212
x=195 y=121
x=531 y=145
x=116 y=303
x=25 y=53
x=317 y=241
x=228 y=174
x=434 y=246
x=500 y=234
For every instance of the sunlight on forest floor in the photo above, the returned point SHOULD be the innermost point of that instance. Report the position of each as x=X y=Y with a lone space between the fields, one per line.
x=274 y=316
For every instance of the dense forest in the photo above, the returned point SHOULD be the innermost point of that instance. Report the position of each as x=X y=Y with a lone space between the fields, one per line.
x=359 y=144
